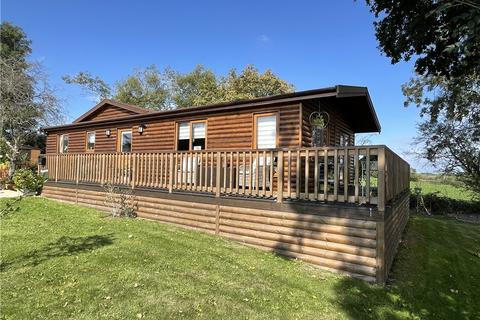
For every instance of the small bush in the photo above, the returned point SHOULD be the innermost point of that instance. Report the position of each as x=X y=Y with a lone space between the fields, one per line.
x=28 y=181
x=120 y=201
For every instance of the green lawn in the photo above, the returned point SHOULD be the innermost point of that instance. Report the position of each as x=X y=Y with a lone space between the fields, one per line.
x=61 y=261
x=442 y=189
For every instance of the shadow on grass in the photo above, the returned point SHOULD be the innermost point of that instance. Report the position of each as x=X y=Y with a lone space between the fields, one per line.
x=64 y=246
x=434 y=276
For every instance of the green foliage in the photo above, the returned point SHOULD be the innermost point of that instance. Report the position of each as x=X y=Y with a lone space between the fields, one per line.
x=56 y=257
x=14 y=44
x=251 y=84
x=196 y=88
x=28 y=181
x=146 y=88
x=444 y=35
x=450 y=131
x=27 y=101
x=90 y=83
x=167 y=89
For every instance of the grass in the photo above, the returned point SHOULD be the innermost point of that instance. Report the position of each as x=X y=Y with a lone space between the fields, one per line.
x=61 y=261
x=442 y=189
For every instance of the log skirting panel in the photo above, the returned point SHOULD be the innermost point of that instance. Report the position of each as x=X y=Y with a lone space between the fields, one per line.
x=338 y=238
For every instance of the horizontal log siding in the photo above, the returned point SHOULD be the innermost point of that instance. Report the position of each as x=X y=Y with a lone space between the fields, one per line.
x=104 y=143
x=51 y=144
x=158 y=136
x=396 y=218
x=110 y=112
x=340 y=244
x=76 y=141
x=235 y=131
x=230 y=131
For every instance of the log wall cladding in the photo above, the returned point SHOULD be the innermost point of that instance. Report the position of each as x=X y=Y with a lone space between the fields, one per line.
x=350 y=240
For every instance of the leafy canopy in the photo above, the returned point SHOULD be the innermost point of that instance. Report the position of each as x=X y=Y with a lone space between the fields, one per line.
x=443 y=34
x=14 y=44
x=168 y=89
x=450 y=132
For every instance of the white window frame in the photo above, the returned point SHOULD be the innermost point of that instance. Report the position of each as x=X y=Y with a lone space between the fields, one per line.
x=61 y=143
x=263 y=115
x=89 y=133
x=122 y=132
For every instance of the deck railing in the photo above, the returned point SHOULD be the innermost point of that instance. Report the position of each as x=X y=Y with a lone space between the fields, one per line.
x=361 y=175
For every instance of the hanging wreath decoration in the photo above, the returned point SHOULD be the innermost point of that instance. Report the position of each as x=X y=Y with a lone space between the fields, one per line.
x=319 y=120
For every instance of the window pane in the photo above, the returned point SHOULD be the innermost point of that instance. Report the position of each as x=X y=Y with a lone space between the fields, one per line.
x=266 y=132
x=183 y=131
x=198 y=130
x=90 y=140
x=63 y=146
x=126 y=141
x=183 y=145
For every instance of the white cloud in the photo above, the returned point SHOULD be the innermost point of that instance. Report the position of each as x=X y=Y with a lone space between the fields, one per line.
x=263 y=38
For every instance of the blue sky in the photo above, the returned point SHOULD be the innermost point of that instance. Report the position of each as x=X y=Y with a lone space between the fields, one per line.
x=311 y=44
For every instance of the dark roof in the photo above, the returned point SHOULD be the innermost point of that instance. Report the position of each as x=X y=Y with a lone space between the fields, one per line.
x=367 y=123
x=108 y=102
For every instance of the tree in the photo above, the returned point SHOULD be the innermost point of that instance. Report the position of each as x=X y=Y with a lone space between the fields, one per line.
x=451 y=130
x=152 y=89
x=444 y=37
x=196 y=88
x=251 y=84
x=90 y=83
x=27 y=101
x=14 y=44
x=147 y=88
x=443 y=34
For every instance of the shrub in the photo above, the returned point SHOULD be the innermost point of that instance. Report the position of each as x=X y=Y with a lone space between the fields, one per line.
x=28 y=181
x=120 y=201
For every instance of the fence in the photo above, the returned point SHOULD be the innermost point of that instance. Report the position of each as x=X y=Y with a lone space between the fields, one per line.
x=361 y=175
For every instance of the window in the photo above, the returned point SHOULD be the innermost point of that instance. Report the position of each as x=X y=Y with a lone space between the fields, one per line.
x=125 y=140
x=198 y=135
x=266 y=131
x=191 y=135
x=90 y=141
x=63 y=143
x=183 y=136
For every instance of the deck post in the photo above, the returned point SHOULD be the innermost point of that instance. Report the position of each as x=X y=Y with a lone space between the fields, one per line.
x=218 y=172
x=77 y=171
x=133 y=171
x=380 y=256
x=102 y=179
x=381 y=179
x=381 y=274
x=170 y=180
x=280 y=177
x=56 y=168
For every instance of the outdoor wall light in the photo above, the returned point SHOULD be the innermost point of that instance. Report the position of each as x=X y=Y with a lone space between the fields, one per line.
x=141 y=128
x=107 y=132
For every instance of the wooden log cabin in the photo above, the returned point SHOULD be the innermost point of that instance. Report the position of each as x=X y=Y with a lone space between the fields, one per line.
x=257 y=171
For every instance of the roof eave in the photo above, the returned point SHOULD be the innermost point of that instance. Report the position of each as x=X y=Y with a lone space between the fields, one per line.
x=290 y=97
x=350 y=91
